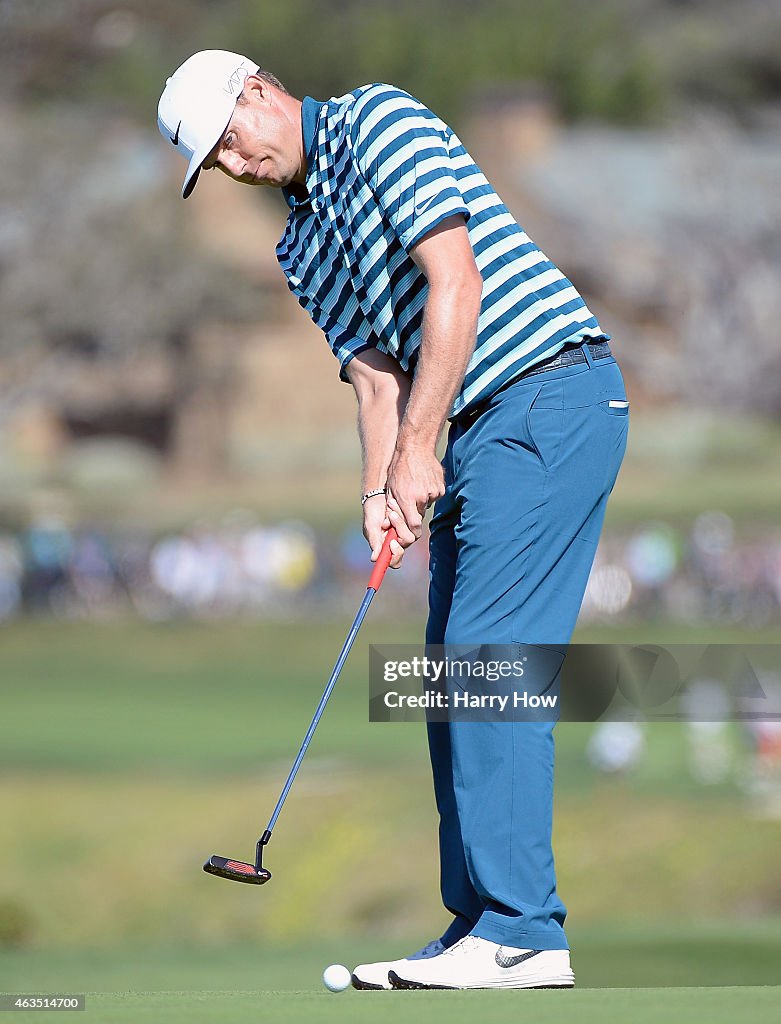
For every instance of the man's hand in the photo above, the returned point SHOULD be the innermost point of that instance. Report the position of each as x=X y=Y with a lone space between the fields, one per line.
x=415 y=481
x=376 y=524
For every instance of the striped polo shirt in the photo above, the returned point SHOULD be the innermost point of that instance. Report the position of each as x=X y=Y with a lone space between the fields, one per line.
x=382 y=171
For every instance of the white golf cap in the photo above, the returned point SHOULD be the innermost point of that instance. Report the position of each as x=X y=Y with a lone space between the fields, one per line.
x=197 y=104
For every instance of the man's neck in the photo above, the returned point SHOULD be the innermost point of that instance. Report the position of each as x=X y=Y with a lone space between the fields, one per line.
x=300 y=178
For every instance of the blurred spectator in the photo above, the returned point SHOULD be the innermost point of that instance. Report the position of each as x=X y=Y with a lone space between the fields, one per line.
x=241 y=566
x=47 y=549
x=616 y=747
x=11 y=570
x=761 y=777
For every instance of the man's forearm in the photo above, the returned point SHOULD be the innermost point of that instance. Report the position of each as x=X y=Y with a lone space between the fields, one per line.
x=379 y=416
x=448 y=340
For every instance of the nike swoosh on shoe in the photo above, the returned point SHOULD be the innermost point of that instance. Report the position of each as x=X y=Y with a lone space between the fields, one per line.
x=513 y=961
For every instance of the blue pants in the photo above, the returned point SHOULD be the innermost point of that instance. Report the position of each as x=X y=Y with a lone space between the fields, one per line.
x=512 y=544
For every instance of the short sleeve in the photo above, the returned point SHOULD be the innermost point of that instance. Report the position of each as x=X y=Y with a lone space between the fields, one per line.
x=344 y=345
x=403 y=152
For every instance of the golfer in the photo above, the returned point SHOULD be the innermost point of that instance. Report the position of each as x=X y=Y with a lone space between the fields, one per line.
x=439 y=307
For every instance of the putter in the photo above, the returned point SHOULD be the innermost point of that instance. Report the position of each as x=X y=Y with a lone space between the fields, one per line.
x=256 y=874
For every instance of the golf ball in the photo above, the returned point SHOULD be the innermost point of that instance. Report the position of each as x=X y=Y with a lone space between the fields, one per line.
x=336 y=978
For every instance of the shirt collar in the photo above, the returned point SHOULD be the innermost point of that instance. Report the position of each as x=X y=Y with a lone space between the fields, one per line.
x=310 y=113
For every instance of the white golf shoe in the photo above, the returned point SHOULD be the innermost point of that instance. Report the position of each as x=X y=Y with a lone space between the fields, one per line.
x=477 y=963
x=375 y=976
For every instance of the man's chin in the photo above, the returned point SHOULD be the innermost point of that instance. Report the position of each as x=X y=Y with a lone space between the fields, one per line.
x=250 y=179
x=267 y=182
x=254 y=179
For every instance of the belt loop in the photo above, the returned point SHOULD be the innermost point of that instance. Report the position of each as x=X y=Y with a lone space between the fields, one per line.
x=588 y=354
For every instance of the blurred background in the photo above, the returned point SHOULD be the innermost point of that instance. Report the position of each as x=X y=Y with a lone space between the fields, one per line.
x=180 y=547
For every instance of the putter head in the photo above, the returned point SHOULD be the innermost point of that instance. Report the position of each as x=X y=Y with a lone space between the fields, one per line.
x=236 y=870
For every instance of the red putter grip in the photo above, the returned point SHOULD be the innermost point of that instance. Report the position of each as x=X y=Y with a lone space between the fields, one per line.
x=383 y=561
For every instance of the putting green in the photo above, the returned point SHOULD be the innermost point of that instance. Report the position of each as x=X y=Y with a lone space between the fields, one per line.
x=641 y=1006
x=134 y=983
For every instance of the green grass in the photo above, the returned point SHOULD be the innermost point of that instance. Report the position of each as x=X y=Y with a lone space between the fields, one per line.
x=641 y=1006
x=609 y=956
x=183 y=697
x=681 y=462
x=117 y=860
x=627 y=974
x=130 y=752
x=212 y=698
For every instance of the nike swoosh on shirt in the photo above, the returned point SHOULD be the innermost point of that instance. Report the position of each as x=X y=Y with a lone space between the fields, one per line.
x=422 y=207
x=513 y=961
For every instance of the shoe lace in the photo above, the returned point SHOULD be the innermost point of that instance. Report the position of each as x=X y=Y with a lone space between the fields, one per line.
x=469 y=942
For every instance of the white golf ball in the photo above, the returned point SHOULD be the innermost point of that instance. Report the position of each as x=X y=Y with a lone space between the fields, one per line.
x=336 y=978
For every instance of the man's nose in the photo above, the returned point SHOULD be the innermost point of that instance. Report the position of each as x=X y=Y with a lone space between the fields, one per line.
x=233 y=164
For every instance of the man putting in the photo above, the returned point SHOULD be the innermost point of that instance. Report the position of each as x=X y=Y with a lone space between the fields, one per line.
x=439 y=307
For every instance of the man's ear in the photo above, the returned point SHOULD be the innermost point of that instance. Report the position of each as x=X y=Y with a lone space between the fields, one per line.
x=256 y=89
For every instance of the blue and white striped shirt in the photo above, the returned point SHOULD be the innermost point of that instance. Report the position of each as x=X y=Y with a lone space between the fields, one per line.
x=382 y=171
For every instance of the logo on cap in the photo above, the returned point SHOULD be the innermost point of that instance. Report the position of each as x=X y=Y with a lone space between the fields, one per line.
x=175 y=138
x=236 y=80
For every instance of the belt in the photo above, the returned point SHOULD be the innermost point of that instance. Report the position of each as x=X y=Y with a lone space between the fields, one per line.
x=598 y=348
x=566 y=356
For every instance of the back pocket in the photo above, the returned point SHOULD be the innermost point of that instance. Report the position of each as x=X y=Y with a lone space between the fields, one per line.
x=615 y=406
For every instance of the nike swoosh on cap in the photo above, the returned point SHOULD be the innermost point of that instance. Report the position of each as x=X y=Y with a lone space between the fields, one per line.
x=175 y=138
x=513 y=961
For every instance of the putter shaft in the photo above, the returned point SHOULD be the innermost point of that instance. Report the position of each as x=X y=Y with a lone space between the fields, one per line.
x=238 y=870
x=319 y=712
